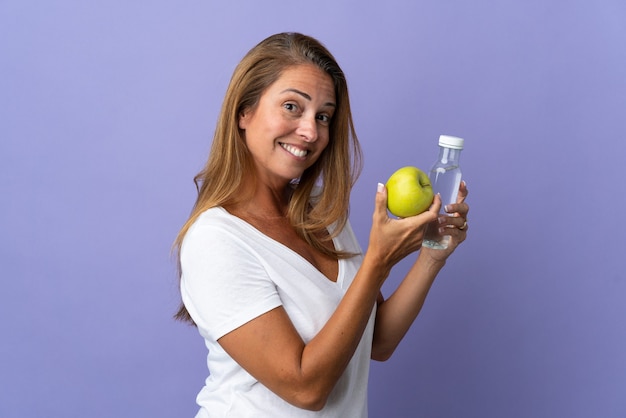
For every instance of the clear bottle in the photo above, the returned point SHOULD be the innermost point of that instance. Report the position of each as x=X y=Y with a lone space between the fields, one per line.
x=445 y=177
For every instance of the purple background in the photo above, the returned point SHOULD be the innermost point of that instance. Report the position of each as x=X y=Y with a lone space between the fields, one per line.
x=106 y=113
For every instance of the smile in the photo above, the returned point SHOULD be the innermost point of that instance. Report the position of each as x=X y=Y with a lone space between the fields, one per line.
x=294 y=151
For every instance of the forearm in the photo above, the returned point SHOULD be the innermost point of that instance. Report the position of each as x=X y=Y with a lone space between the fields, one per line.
x=326 y=356
x=396 y=314
x=304 y=373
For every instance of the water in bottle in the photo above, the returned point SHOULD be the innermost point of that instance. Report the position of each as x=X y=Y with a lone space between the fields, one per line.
x=445 y=177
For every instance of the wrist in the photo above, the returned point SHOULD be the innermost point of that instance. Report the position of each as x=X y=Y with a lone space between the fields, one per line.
x=429 y=260
x=376 y=268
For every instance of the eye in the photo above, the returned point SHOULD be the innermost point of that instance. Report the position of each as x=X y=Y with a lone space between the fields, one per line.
x=324 y=118
x=291 y=107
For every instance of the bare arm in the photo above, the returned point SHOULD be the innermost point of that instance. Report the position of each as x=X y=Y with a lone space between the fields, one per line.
x=271 y=350
x=396 y=314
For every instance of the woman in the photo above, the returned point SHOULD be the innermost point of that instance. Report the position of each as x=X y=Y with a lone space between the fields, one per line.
x=271 y=272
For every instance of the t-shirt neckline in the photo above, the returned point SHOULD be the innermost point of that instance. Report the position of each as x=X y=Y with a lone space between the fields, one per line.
x=340 y=267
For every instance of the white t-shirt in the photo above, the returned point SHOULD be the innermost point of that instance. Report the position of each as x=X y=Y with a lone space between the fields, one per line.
x=233 y=273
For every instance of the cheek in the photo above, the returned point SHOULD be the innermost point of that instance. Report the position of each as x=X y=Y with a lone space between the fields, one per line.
x=322 y=147
x=271 y=125
x=324 y=139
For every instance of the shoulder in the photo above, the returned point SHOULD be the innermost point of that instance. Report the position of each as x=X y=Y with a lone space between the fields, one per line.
x=215 y=216
x=215 y=233
x=215 y=220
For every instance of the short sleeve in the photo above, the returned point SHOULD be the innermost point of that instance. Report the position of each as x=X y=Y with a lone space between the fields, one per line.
x=223 y=282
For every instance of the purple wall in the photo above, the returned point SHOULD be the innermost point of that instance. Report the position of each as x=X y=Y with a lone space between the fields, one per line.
x=106 y=112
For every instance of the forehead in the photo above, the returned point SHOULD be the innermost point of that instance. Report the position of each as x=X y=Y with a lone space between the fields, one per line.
x=308 y=77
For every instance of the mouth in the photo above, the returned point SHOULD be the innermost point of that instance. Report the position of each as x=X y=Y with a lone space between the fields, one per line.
x=296 y=152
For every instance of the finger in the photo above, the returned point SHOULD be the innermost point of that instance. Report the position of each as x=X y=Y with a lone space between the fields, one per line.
x=436 y=205
x=460 y=208
x=452 y=222
x=462 y=195
x=457 y=210
x=460 y=224
x=380 y=205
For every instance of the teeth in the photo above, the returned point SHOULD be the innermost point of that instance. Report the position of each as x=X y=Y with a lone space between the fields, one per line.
x=295 y=151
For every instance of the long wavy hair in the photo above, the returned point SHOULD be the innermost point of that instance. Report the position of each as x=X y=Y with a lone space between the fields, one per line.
x=230 y=164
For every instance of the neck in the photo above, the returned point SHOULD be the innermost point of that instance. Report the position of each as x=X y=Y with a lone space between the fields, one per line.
x=264 y=202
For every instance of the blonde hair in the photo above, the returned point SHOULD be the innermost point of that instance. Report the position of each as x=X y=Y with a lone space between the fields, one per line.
x=221 y=180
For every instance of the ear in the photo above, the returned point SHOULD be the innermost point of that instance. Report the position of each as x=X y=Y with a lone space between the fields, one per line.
x=244 y=117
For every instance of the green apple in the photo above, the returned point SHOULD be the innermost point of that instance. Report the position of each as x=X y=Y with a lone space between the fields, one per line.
x=409 y=192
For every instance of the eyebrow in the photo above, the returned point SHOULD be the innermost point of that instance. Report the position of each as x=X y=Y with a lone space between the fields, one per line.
x=306 y=96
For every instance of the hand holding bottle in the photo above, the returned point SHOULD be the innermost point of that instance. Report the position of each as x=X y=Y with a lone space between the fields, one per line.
x=452 y=224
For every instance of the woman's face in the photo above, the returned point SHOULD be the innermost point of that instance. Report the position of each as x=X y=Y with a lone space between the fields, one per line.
x=289 y=128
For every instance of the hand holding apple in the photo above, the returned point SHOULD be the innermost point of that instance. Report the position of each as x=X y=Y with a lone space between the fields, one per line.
x=409 y=192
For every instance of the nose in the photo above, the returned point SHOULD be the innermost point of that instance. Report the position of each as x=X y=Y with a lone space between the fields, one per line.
x=307 y=129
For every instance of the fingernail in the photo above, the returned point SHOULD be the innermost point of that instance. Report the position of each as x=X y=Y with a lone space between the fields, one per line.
x=380 y=188
x=441 y=219
x=447 y=208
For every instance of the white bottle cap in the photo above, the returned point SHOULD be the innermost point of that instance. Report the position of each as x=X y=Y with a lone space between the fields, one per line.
x=451 y=142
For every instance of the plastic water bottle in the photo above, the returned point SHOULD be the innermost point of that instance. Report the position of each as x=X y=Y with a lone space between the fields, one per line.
x=445 y=177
